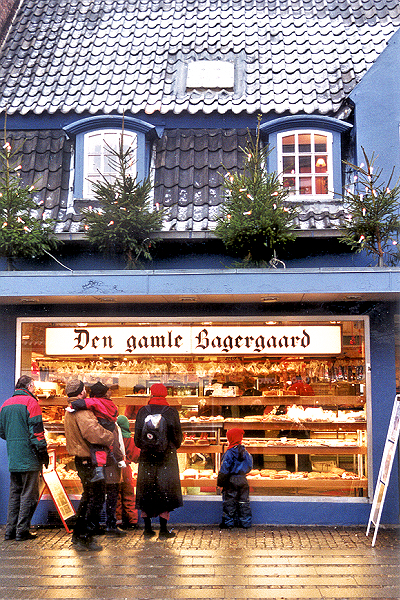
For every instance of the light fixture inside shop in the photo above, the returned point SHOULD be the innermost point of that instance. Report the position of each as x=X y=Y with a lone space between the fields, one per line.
x=269 y=299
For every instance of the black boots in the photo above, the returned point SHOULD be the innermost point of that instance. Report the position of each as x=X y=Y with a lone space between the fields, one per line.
x=164 y=532
x=148 y=531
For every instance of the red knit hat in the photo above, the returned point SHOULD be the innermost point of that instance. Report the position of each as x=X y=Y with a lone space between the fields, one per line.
x=234 y=436
x=158 y=390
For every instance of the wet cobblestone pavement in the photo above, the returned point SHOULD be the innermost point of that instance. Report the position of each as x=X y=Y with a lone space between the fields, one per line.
x=204 y=562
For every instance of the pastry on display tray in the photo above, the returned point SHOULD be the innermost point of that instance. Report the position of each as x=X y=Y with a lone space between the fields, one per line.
x=283 y=474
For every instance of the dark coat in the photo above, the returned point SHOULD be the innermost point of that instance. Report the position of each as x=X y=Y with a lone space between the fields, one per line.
x=158 y=482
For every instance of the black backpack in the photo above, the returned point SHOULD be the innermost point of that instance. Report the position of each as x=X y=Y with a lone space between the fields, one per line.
x=154 y=432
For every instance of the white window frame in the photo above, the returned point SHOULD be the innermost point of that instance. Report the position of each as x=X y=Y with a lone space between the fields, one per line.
x=296 y=195
x=113 y=135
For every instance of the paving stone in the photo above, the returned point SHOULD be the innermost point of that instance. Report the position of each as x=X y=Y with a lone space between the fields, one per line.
x=191 y=567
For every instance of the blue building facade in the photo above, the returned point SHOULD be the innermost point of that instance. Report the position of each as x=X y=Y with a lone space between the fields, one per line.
x=188 y=86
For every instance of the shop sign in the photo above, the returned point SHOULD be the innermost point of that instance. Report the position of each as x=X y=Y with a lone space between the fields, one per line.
x=195 y=339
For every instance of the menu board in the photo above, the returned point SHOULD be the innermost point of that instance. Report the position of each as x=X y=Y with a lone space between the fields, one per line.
x=389 y=452
x=57 y=491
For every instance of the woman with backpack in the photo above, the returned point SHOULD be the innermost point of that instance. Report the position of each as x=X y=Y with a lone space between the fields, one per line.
x=158 y=434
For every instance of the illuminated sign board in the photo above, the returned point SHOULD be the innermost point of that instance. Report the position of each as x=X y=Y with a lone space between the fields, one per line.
x=195 y=339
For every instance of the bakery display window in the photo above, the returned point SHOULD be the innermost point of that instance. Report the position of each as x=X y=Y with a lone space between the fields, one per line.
x=298 y=387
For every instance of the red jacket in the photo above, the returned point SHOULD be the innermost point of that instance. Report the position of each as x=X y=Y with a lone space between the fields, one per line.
x=132 y=452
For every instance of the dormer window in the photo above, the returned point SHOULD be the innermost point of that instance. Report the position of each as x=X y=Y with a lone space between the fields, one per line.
x=306 y=152
x=94 y=136
x=213 y=75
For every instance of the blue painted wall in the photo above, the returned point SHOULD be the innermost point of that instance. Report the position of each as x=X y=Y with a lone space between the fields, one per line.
x=383 y=392
x=377 y=109
x=7 y=386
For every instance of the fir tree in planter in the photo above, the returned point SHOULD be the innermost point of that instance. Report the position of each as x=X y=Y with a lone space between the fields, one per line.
x=257 y=218
x=123 y=220
x=373 y=221
x=23 y=234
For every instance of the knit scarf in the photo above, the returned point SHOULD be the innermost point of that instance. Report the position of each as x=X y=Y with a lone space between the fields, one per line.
x=160 y=401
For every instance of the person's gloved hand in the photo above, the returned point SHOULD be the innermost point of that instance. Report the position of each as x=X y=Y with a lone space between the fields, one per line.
x=43 y=457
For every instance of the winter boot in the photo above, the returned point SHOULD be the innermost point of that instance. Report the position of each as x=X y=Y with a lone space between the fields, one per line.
x=98 y=474
x=148 y=531
x=164 y=531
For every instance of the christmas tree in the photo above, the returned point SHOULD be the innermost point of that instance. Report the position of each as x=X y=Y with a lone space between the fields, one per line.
x=372 y=220
x=123 y=220
x=23 y=232
x=257 y=218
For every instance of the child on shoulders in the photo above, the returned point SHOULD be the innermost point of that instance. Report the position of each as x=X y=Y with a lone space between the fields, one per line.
x=106 y=412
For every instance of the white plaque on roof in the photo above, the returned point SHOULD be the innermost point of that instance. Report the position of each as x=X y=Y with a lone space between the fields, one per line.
x=210 y=75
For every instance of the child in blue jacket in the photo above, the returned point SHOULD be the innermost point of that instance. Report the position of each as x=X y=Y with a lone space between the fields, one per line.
x=236 y=463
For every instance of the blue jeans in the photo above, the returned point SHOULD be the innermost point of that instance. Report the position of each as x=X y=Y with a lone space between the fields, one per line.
x=24 y=496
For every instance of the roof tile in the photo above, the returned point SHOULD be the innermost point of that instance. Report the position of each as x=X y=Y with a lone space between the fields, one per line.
x=59 y=56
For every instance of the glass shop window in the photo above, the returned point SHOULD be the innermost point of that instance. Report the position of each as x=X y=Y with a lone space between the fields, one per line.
x=304 y=414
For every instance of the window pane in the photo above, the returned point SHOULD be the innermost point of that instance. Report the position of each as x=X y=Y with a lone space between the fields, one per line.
x=345 y=386
x=304 y=142
x=321 y=164
x=289 y=183
x=321 y=185
x=111 y=140
x=288 y=164
x=320 y=142
x=305 y=185
x=94 y=163
x=288 y=144
x=109 y=163
x=305 y=164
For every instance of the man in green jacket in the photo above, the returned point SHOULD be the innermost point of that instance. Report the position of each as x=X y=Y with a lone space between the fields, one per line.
x=21 y=425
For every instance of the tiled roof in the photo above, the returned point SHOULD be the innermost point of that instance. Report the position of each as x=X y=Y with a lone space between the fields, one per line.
x=46 y=161
x=189 y=174
x=103 y=56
